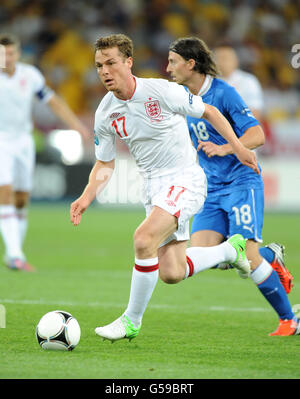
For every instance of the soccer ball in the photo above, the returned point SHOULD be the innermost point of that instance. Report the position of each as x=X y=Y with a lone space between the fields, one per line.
x=58 y=330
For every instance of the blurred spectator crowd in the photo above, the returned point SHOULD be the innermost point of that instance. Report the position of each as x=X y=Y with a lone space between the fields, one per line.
x=58 y=37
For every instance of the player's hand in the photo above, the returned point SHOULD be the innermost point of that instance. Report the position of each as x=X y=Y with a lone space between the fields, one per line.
x=248 y=158
x=211 y=149
x=76 y=210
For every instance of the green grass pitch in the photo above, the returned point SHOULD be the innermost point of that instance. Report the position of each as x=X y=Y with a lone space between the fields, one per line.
x=212 y=326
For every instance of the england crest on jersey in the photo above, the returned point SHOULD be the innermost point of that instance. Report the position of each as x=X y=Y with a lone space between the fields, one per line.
x=153 y=109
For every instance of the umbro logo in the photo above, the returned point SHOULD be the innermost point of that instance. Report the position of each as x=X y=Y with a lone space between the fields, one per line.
x=170 y=203
x=114 y=115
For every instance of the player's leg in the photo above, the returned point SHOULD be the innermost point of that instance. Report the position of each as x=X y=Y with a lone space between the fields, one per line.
x=168 y=213
x=211 y=226
x=23 y=182
x=245 y=210
x=8 y=217
x=269 y=284
x=9 y=227
x=21 y=205
x=160 y=230
x=274 y=254
x=164 y=199
x=209 y=229
x=157 y=226
x=172 y=261
x=203 y=238
x=206 y=238
x=177 y=262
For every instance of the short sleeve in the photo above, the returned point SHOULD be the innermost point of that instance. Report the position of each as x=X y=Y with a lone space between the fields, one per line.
x=240 y=114
x=40 y=89
x=183 y=102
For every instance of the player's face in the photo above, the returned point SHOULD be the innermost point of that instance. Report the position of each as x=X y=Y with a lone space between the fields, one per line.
x=226 y=60
x=113 y=68
x=12 y=55
x=179 y=69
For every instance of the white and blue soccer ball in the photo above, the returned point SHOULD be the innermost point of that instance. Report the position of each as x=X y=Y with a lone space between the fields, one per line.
x=58 y=330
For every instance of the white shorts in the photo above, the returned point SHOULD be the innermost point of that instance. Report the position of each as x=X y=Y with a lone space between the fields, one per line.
x=17 y=160
x=181 y=194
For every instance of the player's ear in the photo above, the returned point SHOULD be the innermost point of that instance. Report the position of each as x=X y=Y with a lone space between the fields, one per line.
x=129 y=62
x=191 y=64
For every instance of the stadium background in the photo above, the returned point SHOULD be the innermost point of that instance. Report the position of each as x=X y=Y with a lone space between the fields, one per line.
x=214 y=326
x=58 y=36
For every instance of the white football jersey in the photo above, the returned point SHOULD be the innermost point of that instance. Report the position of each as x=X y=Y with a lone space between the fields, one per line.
x=248 y=87
x=16 y=95
x=153 y=125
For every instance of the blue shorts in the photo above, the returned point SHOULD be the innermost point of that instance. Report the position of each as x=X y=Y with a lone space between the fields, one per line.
x=238 y=212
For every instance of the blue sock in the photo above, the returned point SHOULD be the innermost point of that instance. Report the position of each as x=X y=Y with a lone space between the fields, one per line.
x=267 y=253
x=268 y=282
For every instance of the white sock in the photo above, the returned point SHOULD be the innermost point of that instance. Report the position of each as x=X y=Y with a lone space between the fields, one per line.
x=143 y=282
x=262 y=272
x=23 y=223
x=203 y=258
x=9 y=227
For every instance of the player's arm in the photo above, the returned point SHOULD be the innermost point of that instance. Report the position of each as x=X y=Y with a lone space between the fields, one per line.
x=98 y=179
x=242 y=118
x=182 y=102
x=257 y=114
x=223 y=127
x=64 y=113
x=253 y=137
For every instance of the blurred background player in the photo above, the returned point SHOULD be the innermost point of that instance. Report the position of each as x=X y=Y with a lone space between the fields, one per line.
x=250 y=89
x=235 y=200
x=245 y=83
x=19 y=83
x=149 y=115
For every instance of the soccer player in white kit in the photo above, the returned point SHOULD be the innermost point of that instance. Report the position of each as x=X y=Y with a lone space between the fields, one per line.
x=245 y=83
x=19 y=83
x=149 y=116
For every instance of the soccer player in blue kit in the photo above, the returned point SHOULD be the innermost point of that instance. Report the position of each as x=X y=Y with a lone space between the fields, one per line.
x=235 y=201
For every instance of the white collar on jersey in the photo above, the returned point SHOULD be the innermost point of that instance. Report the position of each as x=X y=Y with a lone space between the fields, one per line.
x=206 y=85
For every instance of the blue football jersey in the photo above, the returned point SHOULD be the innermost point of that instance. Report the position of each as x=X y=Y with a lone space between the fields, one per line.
x=224 y=174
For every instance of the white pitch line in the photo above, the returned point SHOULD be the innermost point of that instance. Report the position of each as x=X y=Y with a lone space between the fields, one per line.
x=114 y=305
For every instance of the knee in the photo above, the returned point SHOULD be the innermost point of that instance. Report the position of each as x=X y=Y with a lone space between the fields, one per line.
x=6 y=195
x=20 y=203
x=21 y=200
x=143 y=242
x=171 y=276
